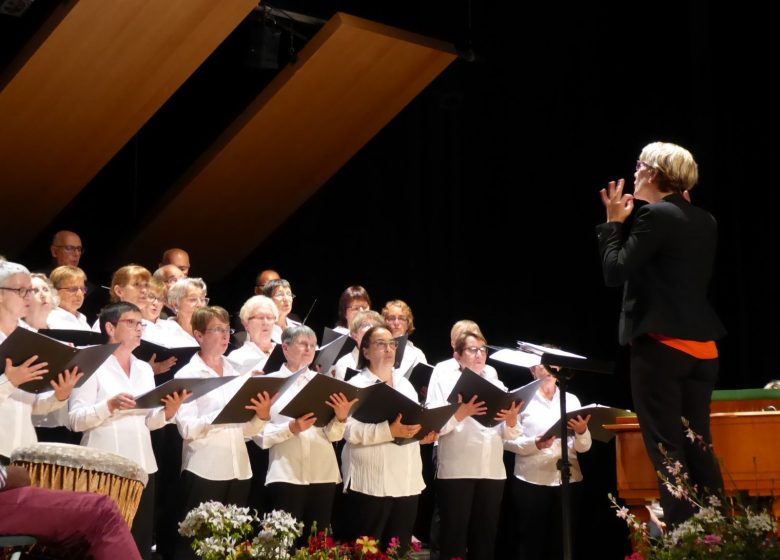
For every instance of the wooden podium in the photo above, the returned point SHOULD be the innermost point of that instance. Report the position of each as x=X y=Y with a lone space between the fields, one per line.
x=747 y=445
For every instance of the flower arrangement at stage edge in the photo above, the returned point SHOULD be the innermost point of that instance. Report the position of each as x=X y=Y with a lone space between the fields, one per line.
x=227 y=532
x=722 y=527
x=323 y=547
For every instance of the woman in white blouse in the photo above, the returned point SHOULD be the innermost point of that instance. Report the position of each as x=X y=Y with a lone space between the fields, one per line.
x=470 y=467
x=382 y=480
x=303 y=471
x=215 y=464
x=258 y=316
x=281 y=292
x=104 y=409
x=400 y=321
x=70 y=283
x=43 y=302
x=16 y=404
x=185 y=297
x=536 y=485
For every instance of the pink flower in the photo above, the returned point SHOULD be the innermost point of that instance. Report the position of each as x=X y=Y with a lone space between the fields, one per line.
x=416 y=546
x=635 y=556
x=712 y=540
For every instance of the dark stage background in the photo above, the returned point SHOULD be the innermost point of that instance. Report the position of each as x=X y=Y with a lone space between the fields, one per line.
x=480 y=199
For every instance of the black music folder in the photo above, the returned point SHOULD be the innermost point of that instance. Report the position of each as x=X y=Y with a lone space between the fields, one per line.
x=496 y=399
x=234 y=411
x=599 y=416
x=350 y=373
x=23 y=344
x=198 y=386
x=329 y=353
x=75 y=336
x=420 y=376
x=183 y=354
x=399 y=351
x=313 y=397
x=329 y=335
x=384 y=404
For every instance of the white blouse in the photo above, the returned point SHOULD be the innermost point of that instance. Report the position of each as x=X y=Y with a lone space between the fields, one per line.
x=167 y=332
x=59 y=318
x=124 y=432
x=16 y=410
x=412 y=356
x=468 y=449
x=276 y=334
x=339 y=369
x=539 y=466
x=304 y=458
x=249 y=352
x=370 y=462
x=214 y=451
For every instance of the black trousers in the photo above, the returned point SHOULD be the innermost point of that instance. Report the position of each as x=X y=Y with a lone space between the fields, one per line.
x=667 y=385
x=167 y=445
x=310 y=503
x=195 y=490
x=469 y=509
x=537 y=526
x=382 y=518
x=143 y=522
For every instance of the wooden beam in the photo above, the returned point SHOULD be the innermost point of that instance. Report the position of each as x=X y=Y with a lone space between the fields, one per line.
x=94 y=77
x=351 y=79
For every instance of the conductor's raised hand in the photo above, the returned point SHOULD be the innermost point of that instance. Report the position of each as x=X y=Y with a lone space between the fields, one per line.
x=400 y=430
x=28 y=370
x=619 y=205
x=262 y=405
x=302 y=423
x=579 y=424
x=174 y=401
x=65 y=383
x=509 y=415
x=340 y=405
x=471 y=408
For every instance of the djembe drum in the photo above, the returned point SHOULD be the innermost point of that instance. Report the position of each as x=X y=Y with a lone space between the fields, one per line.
x=62 y=466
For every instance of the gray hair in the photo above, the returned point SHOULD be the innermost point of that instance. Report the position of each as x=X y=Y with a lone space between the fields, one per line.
x=291 y=334
x=181 y=287
x=253 y=304
x=8 y=269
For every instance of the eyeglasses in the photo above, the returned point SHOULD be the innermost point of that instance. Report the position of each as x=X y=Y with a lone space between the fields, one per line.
x=386 y=344
x=72 y=248
x=640 y=163
x=306 y=345
x=151 y=298
x=21 y=292
x=197 y=299
x=270 y=318
x=73 y=290
x=132 y=323
x=221 y=330
x=474 y=350
x=282 y=295
x=402 y=318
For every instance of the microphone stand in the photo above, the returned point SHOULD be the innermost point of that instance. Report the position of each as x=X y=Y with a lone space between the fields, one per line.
x=563 y=376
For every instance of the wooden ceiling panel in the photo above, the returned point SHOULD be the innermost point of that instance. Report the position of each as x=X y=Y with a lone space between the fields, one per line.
x=351 y=79
x=89 y=82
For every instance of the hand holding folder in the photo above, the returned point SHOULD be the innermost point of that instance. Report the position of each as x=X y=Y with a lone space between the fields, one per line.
x=27 y=347
x=240 y=408
x=600 y=415
x=470 y=385
x=385 y=404
x=316 y=394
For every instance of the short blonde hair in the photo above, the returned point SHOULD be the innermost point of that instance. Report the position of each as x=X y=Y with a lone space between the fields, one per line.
x=127 y=275
x=370 y=317
x=254 y=303
x=677 y=170
x=405 y=309
x=64 y=273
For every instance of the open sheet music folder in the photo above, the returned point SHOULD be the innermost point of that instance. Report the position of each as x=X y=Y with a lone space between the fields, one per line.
x=23 y=344
x=599 y=416
x=496 y=399
x=384 y=404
